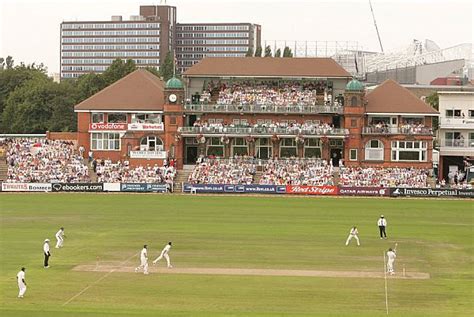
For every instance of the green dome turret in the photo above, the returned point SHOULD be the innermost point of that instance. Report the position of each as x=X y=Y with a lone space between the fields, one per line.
x=174 y=83
x=354 y=85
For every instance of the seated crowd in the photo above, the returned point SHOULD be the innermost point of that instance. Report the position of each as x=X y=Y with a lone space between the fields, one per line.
x=268 y=93
x=44 y=161
x=385 y=177
x=408 y=127
x=235 y=171
x=121 y=172
x=265 y=128
x=295 y=171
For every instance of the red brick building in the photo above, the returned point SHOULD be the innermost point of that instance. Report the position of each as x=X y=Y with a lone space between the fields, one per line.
x=143 y=120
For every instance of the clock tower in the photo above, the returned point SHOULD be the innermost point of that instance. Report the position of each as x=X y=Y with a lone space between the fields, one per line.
x=173 y=119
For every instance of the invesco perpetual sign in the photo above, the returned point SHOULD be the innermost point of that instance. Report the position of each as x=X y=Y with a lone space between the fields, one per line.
x=430 y=192
x=77 y=187
x=108 y=126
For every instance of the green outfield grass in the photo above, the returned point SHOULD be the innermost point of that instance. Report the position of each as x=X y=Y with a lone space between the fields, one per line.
x=434 y=236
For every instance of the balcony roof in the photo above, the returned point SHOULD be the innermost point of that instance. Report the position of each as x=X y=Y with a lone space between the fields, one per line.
x=267 y=67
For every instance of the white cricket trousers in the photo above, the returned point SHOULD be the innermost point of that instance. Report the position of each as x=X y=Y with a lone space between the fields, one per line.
x=59 y=242
x=390 y=265
x=163 y=255
x=22 y=288
x=143 y=265
x=349 y=238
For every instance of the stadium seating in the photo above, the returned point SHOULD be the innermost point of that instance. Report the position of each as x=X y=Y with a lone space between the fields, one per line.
x=223 y=171
x=121 y=172
x=385 y=177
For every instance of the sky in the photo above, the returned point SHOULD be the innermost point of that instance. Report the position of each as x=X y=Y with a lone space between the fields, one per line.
x=29 y=29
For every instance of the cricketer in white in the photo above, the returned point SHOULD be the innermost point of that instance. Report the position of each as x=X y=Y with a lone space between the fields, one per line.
x=143 y=261
x=391 y=255
x=353 y=234
x=164 y=254
x=21 y=282
x=60 y=238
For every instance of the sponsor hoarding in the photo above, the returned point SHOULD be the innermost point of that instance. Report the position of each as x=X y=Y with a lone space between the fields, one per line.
x=363 y=191
x=222 y=188
x=143 y=187
x=26 y=187
x=107 y=126
x=149 y=154
x=146 y=126
x=431 y=192
x=77 y=187
x=111 y=187
x=311 y=190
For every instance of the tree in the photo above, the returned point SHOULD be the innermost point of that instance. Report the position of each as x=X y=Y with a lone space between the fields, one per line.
x=249 y=52
x=167 y=69
x=278 y=53
x=153 y=70
x=117 y=70
x=268 y=51
x=87 y=85
x=287 y=52
x=258 y=52
x=433 y=101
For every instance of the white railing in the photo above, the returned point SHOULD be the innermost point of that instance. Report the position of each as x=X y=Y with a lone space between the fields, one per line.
x=262 y=131
x=458 y=143
x=398 y=130
x=457 y=123
x=263 y=108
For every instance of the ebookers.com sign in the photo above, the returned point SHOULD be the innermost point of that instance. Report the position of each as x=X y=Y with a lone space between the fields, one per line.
x=431 y=192
x=26 y=187
x=77 y=187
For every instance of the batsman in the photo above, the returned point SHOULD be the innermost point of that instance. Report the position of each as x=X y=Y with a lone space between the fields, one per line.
x=391 y=255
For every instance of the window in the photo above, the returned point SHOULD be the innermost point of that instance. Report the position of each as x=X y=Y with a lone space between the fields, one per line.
x=414 y=151
x=264 y=148
x=97 y=118
x=353 y=154
x=453 y=139
x=374 y=151
x=173 y=120
x=117 y=118
x=146 y=118
x=151 y=143
x=312 y=148
x=105 y=141
x=288 y=147
x=471 y=113
x=453 y=113
x=239 y=147
x=354 y=101
x=215 y=147
x=353 y=123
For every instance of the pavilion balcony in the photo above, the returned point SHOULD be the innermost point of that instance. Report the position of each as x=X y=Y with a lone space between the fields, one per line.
x=264 y=109
x=261 y=131
x=398 y=130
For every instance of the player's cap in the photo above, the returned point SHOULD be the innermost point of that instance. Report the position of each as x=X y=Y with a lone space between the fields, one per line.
x=169 y=243
x=62 y=228
x=381 y=216
x=46 y=240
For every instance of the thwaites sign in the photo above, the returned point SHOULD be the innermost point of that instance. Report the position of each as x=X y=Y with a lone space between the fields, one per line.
x=26 y=187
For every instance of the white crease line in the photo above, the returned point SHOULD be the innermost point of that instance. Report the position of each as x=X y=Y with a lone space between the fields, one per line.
x=97 y=281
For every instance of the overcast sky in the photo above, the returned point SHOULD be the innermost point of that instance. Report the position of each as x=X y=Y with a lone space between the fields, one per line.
x=29 y=29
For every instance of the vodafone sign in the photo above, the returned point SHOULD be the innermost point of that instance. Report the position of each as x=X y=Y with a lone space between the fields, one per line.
x=311 y=190
x=107 y=126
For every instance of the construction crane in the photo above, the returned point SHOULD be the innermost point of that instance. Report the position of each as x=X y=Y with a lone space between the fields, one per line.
x=375 y=23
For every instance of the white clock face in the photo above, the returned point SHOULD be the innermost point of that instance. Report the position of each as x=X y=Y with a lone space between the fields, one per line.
x=173 y=98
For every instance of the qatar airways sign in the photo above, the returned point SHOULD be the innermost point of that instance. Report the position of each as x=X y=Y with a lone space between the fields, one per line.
x=146 y=126
x=311 y=190
x=108 y=126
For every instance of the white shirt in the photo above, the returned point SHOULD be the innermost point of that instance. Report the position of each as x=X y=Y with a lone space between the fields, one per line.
x=354 y=231
x=391 y=255
x=166 y=249
x=20 y=277
x=382 y=222
x=46 y=247
x=143 y=254
x=60 y=234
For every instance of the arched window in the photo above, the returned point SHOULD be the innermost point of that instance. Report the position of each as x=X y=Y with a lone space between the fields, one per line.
x=151 y=143
x=374 y=150
x=354 y=101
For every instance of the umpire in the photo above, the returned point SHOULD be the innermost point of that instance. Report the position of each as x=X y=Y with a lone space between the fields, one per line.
x=382 y=223
x=46 y=253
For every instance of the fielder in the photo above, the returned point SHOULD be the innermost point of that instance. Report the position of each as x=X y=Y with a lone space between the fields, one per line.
x=60 y=238
x=164 y=254
x=353 y=234
x=143 y=261
x=21 y=282
x=391 y=255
